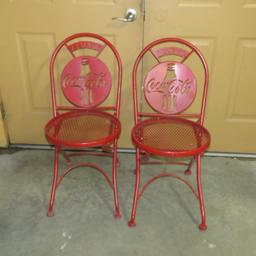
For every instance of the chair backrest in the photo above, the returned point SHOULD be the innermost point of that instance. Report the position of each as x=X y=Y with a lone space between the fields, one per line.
x=170 y=86
x=85 y=79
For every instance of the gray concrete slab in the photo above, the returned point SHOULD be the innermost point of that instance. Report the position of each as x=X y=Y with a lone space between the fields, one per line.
x=83 y=224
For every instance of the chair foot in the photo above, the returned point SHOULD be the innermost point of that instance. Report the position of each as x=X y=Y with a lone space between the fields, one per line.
x=132 y=223
x=202 y=227
x=50 y=213
x=188 y=172
x=118 y=215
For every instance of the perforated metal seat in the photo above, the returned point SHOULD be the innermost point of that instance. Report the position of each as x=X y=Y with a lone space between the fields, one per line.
x=174 y=137
x=83 y=129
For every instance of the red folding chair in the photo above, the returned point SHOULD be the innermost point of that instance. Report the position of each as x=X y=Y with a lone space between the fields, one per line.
x=82 y=119
x=164 y=125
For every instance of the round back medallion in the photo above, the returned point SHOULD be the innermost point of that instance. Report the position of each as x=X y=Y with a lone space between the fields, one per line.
x=170 y=87
x=86 y=81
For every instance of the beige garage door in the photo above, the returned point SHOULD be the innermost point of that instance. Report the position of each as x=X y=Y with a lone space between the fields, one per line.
x=225 y=31
x=30 y=30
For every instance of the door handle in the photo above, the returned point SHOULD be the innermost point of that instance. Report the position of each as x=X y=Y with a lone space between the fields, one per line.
x=130 y=16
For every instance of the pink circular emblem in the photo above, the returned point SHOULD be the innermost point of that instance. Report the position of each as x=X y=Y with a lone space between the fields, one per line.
x=86 y=81
x=170 y=87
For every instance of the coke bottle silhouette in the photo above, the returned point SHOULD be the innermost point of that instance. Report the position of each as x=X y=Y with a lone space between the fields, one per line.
x=86 y=85
x=169 y=96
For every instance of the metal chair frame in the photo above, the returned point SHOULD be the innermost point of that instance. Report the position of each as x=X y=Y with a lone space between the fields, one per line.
x=143 y=151
x=108 y=144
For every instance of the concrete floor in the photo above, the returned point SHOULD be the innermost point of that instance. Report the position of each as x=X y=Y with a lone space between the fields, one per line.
x=83 y=224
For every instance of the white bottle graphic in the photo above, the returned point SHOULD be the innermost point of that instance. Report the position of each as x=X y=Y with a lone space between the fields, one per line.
x=86 y=88
x=169 y=96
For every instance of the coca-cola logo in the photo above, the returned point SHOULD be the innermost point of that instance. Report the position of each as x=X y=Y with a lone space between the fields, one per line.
x=173 y=86
x=86 y=84
x=170 y=87
x=86 y=81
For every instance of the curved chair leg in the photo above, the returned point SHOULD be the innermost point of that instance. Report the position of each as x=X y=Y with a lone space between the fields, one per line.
x=50 y=212
x=203 y=225
x=116 y=198
x=66 y=157
x=132 y=221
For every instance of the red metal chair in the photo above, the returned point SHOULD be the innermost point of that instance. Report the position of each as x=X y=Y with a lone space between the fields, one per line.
x=83 y=119
x=165 y=127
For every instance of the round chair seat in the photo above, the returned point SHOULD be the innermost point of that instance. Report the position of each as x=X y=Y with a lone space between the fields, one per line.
x=171 y=136
x=82 y=129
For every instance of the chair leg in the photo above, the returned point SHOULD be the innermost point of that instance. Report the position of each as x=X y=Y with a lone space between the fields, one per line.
x=50 y=212
x=114 y=176
x=132 y=221
x=188 y=171
x=203 y=225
